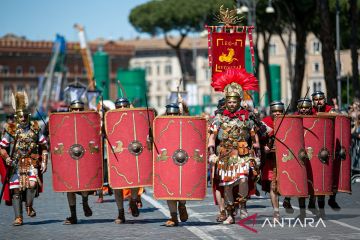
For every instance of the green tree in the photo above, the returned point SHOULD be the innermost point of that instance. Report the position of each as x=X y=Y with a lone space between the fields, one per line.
x=181 y=16
x=324 y=28
x=296 y=16
x=354 y=36
x=327 y=39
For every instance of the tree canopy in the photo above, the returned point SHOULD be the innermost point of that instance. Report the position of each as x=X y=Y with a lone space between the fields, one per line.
x=183 y=16
x=160 y=17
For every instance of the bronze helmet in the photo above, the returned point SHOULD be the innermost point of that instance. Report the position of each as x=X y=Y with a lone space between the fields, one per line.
x=20 y=104
x=77 y=104
x=172 y=108
x=277 y=106
x=122 y=102
x=304 y=102
x=318 y=95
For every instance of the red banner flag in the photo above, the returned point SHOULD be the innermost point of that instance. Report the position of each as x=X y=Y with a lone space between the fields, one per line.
x=227 y=50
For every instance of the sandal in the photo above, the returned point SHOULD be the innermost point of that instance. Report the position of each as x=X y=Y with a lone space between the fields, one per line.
x=134 y=208
x=70 y=220
x=183 y=213
x=171 y=223
x=30 y=211
x=276 y=215
x=87 y=210
x=222 y=216
x=18 y=221
x=229 y=220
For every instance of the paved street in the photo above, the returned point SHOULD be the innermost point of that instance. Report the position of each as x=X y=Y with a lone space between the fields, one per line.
x=52 y=209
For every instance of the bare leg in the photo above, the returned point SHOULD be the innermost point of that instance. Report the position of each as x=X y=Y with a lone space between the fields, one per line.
x=101 y=197
x=274 y=199
x=220 y=201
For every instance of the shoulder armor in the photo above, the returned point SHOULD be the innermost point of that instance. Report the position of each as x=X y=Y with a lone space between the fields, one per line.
x=10 y=128
x=34 y=125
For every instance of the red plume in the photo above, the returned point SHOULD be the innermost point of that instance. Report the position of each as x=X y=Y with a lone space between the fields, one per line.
x=247 y=81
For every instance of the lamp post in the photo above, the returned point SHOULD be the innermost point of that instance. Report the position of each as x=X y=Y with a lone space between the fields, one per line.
x=269 y=8
x=249 y=7
x=338 y=66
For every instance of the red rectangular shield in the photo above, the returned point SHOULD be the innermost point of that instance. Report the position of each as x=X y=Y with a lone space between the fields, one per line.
x=319 y=144
x=128 y=133
x=76 y=151
x=342 y=161
x=227 y=50
x=180 y=166
x=290 y=153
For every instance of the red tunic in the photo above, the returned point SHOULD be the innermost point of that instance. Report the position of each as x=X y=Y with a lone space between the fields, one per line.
x=3 y=169
x=328 y=108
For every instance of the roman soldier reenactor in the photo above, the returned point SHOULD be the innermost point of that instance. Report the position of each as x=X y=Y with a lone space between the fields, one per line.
x=218 y=191
x=77 y=106
x=119 y=193
x=176 y=206
x=320 y=105
x=305 y=108
x=27 y=157
x=235 y=132
x=269 y=183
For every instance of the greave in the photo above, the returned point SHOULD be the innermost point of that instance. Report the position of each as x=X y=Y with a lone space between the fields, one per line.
x=321 y=202
x=85 y=200
x=230 y=209
x=243 y=188
x=71 y=197
x=86 y=207
x=122 y=214
x=174 y=216
x=301 y=202
x=30 y=195
x=17 y=205
x=119 y=198
x=134 y=193
x=73 y=211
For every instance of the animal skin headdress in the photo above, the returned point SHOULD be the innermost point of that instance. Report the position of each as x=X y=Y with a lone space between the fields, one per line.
x=234 y=81
x=20 y=102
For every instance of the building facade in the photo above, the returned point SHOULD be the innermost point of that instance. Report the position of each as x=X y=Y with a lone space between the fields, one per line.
x=23 y=64
x=163 y=72
x=163 y=69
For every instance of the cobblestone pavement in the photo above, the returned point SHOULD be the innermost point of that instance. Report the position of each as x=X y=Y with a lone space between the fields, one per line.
x=52 y=209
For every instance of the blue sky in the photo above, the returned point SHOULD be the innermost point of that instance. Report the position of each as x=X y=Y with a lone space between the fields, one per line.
x=42 y=19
